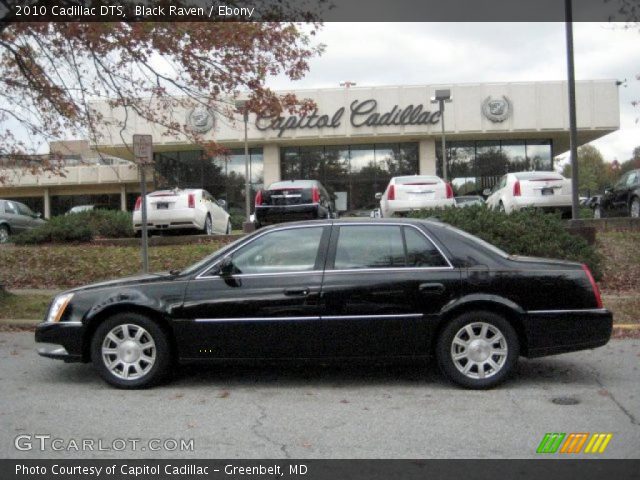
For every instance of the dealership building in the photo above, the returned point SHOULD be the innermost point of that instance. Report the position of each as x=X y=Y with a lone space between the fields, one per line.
x=354 y=142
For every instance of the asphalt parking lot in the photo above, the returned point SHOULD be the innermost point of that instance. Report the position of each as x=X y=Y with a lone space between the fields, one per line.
x=318 y=411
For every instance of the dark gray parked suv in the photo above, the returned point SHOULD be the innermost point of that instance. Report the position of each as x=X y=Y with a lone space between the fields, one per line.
x=15 y=217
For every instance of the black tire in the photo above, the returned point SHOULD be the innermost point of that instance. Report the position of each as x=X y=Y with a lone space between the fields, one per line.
x=159 y=368
x=4 y=234
x=208 y=225
x=501 y=208
x=597 y=212
x=475 y=320
x=228 y=229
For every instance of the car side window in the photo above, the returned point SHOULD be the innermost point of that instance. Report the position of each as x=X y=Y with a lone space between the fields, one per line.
x=292 y=250
x=10 y=207
x=421 y=252
x=369 y=246
x=632 y=179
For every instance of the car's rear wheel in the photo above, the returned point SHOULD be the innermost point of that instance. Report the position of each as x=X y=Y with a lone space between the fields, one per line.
x=208 y=225
x=501 y=207
x=478 y=349
x=129 y=350
x=4 y=234
x=634 y=209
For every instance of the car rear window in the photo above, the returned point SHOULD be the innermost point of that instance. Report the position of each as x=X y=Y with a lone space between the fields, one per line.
x=417 y=180
x=538 y=176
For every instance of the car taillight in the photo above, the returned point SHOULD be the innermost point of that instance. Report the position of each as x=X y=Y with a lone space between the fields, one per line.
x=516 y=189
x=449 y=190
x=594 y=286
x=192 y=200
x=391 y=194
x=259 y=197
x=315 y=195
x=138 y=204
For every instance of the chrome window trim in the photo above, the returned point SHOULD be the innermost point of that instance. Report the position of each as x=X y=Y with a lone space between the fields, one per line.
x=346 y=224
x=204 y=275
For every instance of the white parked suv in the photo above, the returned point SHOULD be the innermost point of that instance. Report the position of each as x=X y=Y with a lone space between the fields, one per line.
x=405 y=194
x=183 y=209
x=518 y=190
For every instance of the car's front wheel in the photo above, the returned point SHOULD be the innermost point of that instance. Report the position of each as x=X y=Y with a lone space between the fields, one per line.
x=477 y=349
x=634 y=209
x=597 y=212
x=4 y=234
x=130 y=351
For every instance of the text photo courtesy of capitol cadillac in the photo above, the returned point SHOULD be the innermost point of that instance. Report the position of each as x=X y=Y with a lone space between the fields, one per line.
x=319 y=240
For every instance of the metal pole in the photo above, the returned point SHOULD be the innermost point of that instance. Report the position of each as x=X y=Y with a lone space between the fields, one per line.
x=143 y=212
x=247 y=187
x=444 y=151
x=573 y=132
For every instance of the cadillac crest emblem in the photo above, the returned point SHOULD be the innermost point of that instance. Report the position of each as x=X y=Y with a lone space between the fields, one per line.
x=200 y=119
x=497 y=110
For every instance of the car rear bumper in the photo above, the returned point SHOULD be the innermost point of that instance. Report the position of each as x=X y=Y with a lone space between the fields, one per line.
x=63 y=340
x=550 y=332
x=170 y=219
x=557 y=202
x=267 y=214
x=404 y=206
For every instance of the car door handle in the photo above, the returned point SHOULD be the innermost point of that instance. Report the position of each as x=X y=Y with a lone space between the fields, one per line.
x=296 y=292
x=431 y=288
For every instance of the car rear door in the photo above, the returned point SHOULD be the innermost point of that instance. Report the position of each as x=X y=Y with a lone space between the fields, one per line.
x=17 y=222
x=269 y=306
x=384 y=287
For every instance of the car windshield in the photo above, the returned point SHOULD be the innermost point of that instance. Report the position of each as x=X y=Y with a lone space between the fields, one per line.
x=220 y=252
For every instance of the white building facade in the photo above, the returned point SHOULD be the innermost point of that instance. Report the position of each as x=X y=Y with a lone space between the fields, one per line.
x=358 y=138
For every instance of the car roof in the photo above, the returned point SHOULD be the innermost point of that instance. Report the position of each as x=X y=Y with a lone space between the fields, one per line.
x=431 y=222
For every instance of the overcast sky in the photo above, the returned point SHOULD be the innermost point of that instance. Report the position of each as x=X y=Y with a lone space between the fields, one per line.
x=373 y=54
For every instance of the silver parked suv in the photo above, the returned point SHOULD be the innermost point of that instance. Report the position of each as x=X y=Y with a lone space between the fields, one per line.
x=16 y=217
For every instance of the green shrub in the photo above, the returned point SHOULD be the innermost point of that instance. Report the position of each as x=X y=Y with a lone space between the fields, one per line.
x=527 y=232
x=79 y=227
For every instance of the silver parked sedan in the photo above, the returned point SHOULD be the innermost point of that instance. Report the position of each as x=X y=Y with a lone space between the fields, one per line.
x=16 y=217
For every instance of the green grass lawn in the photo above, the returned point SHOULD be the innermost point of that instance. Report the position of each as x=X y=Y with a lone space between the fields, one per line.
x=23 y=307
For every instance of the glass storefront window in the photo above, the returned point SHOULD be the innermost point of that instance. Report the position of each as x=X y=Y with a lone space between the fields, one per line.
x=477 y=165
x=352 y=173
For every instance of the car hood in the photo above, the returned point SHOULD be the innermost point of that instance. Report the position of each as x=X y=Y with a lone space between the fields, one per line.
x=127 y=281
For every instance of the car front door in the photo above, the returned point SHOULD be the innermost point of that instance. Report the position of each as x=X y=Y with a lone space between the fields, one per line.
x=262 y=300
x=17 y=222
x=383 y=289
x=620 y=194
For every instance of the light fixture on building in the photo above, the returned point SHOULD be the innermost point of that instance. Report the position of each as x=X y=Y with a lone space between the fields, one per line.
x=440 y=97
x=241 y=107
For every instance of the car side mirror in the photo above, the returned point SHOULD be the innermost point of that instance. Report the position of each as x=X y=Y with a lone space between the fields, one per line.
x=378 y=196
x=225 y=269
x=486 y=192
x=222 y=203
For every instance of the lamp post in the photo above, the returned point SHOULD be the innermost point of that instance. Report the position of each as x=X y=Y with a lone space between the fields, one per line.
x=442 y=96
x=573 y=129
x=247 y=226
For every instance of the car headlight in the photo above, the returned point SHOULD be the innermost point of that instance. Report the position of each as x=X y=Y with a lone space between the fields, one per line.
x=58 y=307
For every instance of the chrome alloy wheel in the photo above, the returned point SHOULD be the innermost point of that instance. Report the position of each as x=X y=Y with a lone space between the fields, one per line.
x=208 y=226
x=479 y=350
x=128 y=351
x=4 y=234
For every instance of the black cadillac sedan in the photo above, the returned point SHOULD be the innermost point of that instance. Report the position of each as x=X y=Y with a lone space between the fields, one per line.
x=375 y=288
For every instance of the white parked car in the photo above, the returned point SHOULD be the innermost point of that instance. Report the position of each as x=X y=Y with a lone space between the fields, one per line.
x=404 y=194
x=518 y=190
x=183 y=209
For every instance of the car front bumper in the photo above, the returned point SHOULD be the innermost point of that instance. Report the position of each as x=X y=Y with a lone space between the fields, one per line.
x=64 y=340
x=550 y=332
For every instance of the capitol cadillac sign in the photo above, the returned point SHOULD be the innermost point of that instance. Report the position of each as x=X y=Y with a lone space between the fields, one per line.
x=364 y=113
